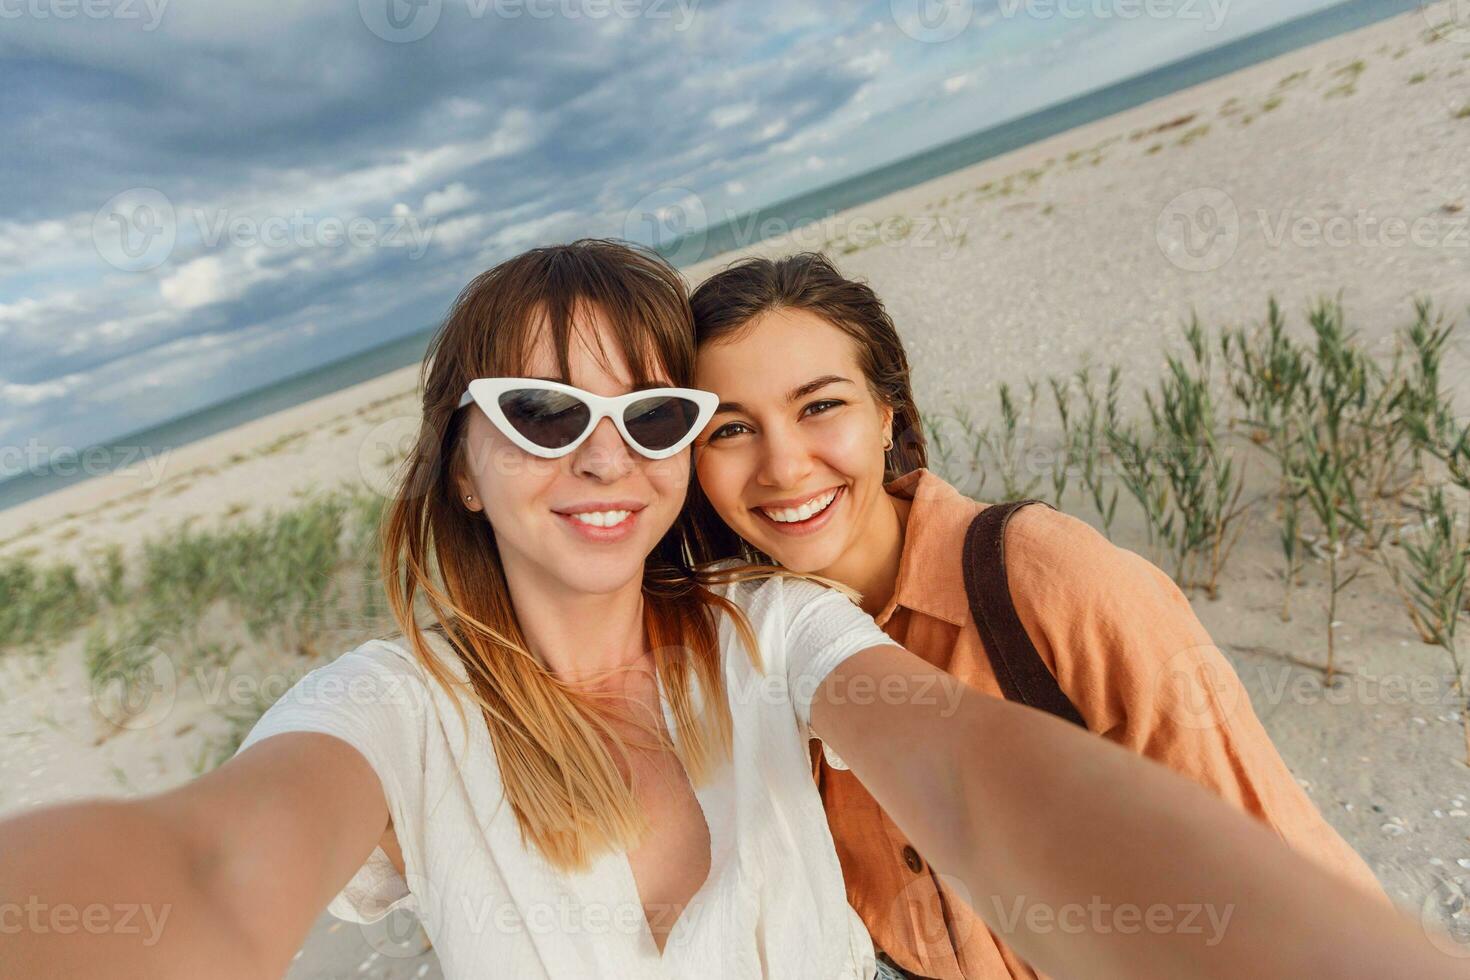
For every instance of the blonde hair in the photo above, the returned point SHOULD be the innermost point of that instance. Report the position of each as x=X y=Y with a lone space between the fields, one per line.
x=552 y=738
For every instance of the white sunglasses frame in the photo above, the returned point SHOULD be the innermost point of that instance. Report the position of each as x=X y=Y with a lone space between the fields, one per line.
x=486 y=392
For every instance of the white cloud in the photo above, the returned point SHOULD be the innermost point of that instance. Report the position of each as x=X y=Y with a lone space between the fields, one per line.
x=871 y=62
x=725 y=116
x=26 y=395
x=195 y=284
x=451 y=198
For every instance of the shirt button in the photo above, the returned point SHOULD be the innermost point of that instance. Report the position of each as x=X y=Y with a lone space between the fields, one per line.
x=912 y=859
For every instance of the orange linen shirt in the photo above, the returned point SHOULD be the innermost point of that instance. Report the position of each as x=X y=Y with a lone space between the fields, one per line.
x=1126 y=647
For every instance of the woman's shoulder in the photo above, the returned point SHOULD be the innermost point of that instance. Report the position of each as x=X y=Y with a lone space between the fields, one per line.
x=1045 y=544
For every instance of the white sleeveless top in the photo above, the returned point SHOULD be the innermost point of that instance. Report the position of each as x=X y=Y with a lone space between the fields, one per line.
x=774 y=904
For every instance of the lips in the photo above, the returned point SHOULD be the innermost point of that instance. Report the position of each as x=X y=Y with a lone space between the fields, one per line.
x=601 y=521
x=810 y=513
x=800 y=508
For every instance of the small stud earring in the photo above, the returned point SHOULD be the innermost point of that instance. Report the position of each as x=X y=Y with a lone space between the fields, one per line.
x=469 y=496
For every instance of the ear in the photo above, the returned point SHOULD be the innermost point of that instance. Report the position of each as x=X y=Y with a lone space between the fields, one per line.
x=467 y=494
x=888 y=424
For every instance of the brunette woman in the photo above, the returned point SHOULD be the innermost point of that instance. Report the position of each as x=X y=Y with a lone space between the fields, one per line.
x=815 y=461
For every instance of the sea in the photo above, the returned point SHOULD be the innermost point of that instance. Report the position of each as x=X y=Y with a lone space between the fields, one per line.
x=792 y=213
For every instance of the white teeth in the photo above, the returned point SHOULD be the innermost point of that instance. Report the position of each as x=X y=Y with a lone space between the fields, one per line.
x=808 y=510
x=603 y=518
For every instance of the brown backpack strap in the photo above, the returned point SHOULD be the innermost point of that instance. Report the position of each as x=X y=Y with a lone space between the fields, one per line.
x=1022 y=674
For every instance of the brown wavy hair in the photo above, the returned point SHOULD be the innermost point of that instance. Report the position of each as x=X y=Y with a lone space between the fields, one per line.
x=554 y=740
x=730 y=300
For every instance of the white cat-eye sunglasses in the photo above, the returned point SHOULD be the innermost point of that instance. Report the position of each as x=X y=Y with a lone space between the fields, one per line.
x=550 y=419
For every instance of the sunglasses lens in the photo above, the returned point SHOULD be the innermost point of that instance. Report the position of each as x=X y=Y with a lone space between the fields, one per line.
x=550 y=419
x=660 y=422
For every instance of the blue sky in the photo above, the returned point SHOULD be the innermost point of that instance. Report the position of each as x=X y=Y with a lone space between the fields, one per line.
x=203 y=196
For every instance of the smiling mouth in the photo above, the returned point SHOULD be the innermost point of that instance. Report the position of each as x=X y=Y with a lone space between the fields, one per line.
x=813 y=507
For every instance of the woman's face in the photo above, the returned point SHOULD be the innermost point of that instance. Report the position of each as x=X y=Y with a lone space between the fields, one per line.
x=793 y=460
x=532 y=503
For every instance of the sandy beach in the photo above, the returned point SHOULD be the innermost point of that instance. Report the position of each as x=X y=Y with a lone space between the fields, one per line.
x=1335 y=170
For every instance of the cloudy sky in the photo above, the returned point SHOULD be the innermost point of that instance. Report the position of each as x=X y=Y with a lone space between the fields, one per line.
x=203 y=196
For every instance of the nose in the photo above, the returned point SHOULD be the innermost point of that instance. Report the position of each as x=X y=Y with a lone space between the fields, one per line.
x=604 y=457
x=785 y=462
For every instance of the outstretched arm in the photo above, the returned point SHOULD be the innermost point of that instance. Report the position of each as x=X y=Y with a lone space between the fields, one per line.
x=1043 y=823
x=220 y=878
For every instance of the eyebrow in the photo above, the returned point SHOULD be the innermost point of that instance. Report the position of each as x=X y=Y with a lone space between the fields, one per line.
x=800 y=391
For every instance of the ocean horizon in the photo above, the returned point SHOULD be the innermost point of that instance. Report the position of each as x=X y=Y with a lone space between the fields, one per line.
x=792 y=213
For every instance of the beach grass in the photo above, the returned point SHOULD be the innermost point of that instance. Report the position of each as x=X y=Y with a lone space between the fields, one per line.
x=1365 y=461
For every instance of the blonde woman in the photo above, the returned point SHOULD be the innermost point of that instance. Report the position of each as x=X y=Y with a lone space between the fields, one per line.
x=592 y=761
